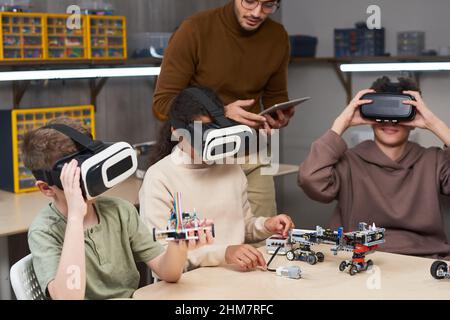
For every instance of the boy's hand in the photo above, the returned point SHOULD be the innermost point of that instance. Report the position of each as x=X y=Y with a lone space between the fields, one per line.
x=351 y=115
x=425 y=119
x=70 y=180
x=280 y=224
x=245 y=256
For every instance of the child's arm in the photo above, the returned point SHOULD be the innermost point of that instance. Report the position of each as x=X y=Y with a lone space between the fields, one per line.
x=351 y=115
x=259 y=228
x=70 y=280
x=425 y=119
x=170 y=265
x=318 y=175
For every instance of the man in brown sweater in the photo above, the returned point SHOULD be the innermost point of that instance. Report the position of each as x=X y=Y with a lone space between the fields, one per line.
x=390 y=181
x=241 y=54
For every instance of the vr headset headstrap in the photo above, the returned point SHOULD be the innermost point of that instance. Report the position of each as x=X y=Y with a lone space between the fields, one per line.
x=216 y=112
x=76 y=136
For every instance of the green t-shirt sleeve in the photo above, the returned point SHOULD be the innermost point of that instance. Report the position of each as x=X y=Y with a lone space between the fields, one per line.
x=46 y=250
x=141 y=239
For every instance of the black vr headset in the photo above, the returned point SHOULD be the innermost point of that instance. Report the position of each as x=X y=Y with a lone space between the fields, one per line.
x=221 y=138
x=388 y=107
x=103 y=165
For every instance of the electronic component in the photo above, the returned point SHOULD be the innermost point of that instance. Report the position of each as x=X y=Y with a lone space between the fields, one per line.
x=362 y=242
x=275 y=242
x=440 y=270
x=292 y=272
x=181 y=225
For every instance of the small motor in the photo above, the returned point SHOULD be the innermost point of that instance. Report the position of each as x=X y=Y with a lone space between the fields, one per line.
x=292 y=272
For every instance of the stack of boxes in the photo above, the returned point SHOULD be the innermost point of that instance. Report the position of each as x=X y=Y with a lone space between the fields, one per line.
x=411 y=43
x=359 y=42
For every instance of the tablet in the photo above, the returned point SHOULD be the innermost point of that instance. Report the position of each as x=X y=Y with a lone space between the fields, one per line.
x=285 y=105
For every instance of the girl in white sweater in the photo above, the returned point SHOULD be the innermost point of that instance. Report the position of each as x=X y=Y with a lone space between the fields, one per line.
x=217 y=192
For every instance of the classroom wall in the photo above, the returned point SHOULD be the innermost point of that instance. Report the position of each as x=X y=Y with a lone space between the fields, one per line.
x=124 y=105
x=319 y=18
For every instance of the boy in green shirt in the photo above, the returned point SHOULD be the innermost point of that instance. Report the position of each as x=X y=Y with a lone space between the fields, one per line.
x=88 y=249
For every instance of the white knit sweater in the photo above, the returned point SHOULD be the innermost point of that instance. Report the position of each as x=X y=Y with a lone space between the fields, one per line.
x=217 y=192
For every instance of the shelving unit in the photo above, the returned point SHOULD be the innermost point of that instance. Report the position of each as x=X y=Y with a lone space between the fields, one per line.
x=23 y=36
x=64 y=43
x=107 y=37
x=346 y=78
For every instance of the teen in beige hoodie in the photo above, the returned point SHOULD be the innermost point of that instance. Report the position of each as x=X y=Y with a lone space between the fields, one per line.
x=217 y=192
x=390 y=181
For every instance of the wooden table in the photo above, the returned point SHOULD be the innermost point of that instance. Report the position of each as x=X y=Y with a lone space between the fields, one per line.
x=393 y=277
x=17 y=212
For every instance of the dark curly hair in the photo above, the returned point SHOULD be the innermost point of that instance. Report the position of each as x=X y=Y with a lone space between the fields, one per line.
x=185 y=108
x=385 y=85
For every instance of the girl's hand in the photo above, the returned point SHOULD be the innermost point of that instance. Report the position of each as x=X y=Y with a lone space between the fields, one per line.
x=280 y=224
x=245 y=256
x=204 y=237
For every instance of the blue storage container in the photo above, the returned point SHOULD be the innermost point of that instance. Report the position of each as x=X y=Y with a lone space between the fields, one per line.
x=303 y=46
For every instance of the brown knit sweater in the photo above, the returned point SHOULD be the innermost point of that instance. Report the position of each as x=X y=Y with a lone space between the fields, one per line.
x=211 y=49
x=401 y=196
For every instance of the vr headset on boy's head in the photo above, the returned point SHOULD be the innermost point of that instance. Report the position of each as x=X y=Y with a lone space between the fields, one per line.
x=221 y=138
x=388 y=106
x=103 y=165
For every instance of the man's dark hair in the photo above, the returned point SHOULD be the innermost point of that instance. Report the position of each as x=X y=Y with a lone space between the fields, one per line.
x=385 y=85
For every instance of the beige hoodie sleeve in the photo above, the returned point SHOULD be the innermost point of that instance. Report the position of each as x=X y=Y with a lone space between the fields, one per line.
x=318 y=176
x=255 y=230
x=155 y=200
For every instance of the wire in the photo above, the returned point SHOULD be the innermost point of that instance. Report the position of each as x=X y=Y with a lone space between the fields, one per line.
x=271 y=259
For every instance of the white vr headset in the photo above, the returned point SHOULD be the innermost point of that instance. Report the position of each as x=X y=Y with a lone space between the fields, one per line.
x=103 y=165
x=221 y=138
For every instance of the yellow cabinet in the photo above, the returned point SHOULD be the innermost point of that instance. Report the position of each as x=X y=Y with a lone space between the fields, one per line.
x=65 y=43
x=41 y=36
x=108 y=39
x=23 y=36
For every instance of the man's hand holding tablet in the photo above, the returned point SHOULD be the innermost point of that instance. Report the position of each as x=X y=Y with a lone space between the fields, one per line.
x=279 y=114
x=283 y=106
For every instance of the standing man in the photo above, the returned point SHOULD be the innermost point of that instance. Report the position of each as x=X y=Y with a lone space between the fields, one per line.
x=243 y=55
